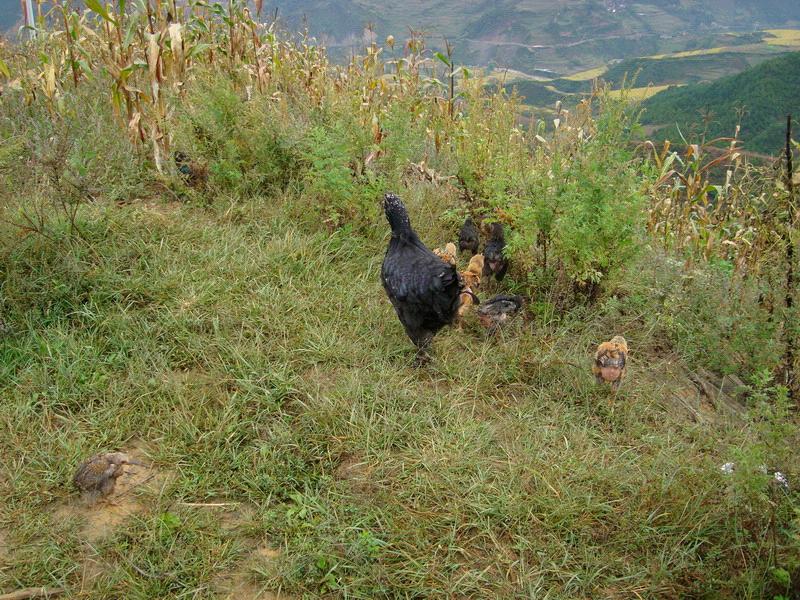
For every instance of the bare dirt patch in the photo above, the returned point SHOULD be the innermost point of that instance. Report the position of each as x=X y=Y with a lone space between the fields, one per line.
x=239 y=584
x=92 y=568
x=356 y=472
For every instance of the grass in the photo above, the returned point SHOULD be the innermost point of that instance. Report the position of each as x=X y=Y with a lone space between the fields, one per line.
x=235 y=338
x=639 y=93
x=588 y=74
x=257 y=362
x=687 y=53
x=783 y=37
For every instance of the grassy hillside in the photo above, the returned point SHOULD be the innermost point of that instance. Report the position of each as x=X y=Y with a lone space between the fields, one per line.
x=691 y=68
x=707 y=62
x=227 y=327
x=767 y=93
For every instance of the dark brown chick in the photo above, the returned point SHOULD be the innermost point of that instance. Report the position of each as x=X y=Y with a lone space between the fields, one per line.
x=194 y=173
x=498 y=311
x=97 y=476
x=610 y=361
x=468 y=237
x=494 y=253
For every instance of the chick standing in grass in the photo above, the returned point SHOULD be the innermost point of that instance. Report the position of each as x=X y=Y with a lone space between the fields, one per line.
x=97 y=476
x=495 y=261
x=610 y=361
x=468 y=237
x=448 y=253
x=472 y=279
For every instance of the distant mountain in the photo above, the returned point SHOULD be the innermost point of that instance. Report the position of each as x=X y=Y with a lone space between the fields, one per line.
x=760 y=97
x=560 y=35
x=10 y=14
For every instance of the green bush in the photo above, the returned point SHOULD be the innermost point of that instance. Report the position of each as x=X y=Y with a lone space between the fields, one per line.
x=249 y=147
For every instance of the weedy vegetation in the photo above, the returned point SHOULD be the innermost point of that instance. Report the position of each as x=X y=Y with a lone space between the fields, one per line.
x=221 y=318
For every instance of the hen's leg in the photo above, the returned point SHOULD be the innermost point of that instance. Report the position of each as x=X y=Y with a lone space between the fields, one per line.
x=502 y=272
x=423 y=343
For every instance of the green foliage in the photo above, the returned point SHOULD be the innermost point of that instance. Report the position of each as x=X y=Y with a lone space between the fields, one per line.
x=339 y=195
x=249 y=147
x=578 y=205
x=702 y=313
x=759 y=99
x=597 y=219
x=679 y=70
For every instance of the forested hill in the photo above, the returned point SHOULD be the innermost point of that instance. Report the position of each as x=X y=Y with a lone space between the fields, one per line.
x=760 y=97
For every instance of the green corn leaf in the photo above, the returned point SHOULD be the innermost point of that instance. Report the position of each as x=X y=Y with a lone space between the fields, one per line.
x=95 y=6
x=4 y=69
x=197 y=49
x=442 y=58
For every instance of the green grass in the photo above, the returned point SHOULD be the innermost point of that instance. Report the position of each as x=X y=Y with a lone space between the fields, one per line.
x=257 y=362
x=235 y=337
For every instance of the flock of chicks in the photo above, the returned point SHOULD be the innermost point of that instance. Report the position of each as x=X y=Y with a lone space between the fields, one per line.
x=428 y=292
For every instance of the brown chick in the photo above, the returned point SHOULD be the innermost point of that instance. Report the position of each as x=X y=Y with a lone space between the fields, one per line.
x=472 y=279
x=97 y=476
x=610 y=361
x=448 y=253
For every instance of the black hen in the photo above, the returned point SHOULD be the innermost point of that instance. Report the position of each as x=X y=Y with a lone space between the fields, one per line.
x=496 y=312
x=495 y=263
x=423 y=289
x=468 y=237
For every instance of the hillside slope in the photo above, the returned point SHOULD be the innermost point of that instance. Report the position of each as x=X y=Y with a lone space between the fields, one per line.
x=525 y=34
x=766 y=94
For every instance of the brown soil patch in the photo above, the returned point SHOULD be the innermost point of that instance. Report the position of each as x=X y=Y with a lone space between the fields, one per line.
x=241 y=589
x=100 y=519
x=92 y=569
x=356 y=472
x=4 y=547
x=239 y=585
